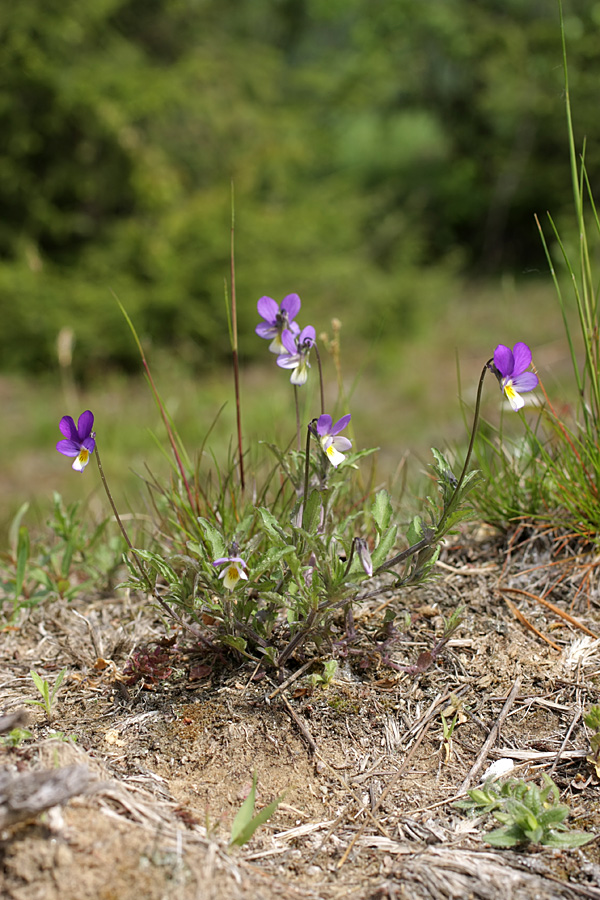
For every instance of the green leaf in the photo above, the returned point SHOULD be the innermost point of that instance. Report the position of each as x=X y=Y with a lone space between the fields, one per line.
x=245 y=823
x=271 y=525
x=385 y=546
x=15 y=527
x=237 y=642
x=270 y=558
x=244 y=814
x=311 y=515
x=415 y=531
x=22 y=557
x=213 y=537
x=382 y=510
x=57 y=684
x=505 y=837
x=567 y=840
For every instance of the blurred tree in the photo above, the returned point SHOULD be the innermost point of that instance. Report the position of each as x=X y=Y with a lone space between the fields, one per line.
x=376 y=146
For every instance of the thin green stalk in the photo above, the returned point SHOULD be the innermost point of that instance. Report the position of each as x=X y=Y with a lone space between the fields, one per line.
x=297 y=404
x=450 y=508
x=151 y=590
x=234 y=347
x=136 y=558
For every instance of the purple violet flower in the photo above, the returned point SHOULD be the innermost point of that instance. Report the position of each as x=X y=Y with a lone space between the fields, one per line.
x=277 y=319
x=234 y=571
x=296 y=352
x=79 y=441
x=331 y=444
x=510 y=368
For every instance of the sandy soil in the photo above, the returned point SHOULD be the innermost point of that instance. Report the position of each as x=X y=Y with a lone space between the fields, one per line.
x=368 y=778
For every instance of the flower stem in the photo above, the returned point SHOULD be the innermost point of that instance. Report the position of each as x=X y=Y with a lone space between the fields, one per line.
x=170 y=612
x=306 y=465
x=136 y=558
x=456 y=495
x=298 y=438
x=318 y=355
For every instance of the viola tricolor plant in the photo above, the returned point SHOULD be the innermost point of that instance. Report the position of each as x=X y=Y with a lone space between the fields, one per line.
x=277 y=319
x=331 y=443
x=511 y=370
x=79 y=440
x=234 y=571
x=312 y=539
x=297 y=350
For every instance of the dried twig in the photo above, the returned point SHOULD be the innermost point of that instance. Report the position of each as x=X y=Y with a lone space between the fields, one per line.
x=492 y=736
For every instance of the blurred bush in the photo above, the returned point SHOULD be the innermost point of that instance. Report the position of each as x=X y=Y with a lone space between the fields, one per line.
x=377 y=147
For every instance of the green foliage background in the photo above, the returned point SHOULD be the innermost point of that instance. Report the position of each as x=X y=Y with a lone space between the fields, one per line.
x=378 y=148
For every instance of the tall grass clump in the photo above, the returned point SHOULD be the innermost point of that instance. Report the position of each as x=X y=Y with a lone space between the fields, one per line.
x=551 y=473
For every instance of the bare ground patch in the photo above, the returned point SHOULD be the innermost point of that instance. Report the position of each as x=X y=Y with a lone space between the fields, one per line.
x=368 y=777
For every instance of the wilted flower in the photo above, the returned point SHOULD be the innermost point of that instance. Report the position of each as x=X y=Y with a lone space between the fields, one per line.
x=295 y=356
x=277 y=319
x=331 y=444
x=234 y=571
x=79 y=441
x=362 y=551
x=510 y=368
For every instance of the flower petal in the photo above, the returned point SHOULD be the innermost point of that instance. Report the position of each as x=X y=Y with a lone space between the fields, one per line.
x=67 y=427
x=341 y=443
x=289 y=341
x=291 y=305
x=526 y=381
x=340 y=424
x=522 y=358
x=81 y=460
x=268 y=309
x=264 y=330
x=503 y=360
x=68 y=448
x=334 y=456
x=324 y=425
x=515 y=400
x=307 y=334
x=85 y=424
x=287 y=360
x=300 y=373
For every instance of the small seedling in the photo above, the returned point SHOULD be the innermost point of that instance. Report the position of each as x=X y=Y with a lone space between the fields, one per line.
x=245 y=822
x=15 y=737
x=329 y=670
x=529 y=815
x=48 y=697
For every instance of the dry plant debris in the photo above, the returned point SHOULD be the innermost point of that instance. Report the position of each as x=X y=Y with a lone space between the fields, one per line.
x=368 y=772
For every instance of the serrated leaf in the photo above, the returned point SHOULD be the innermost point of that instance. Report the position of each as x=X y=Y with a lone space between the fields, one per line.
x=213 y=537
x=158 y=563
x=384 y=548
x=382 y=510
x=311 y=513
x=504 y=837
x=270 y=558
x=415 y=531
x=271 y=525
x=567 y=840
